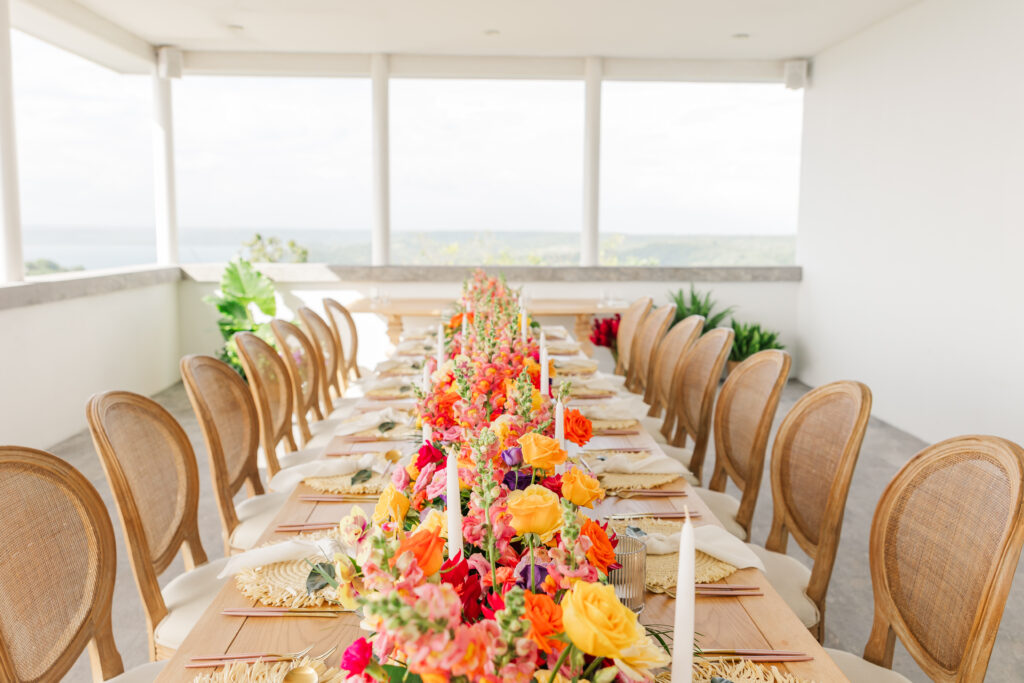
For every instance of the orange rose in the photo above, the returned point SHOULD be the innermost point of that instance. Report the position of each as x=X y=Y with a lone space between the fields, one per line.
x=541 y=451
x=426 y=546
x=580 y=488
x=601 y=553
x=578 y=428
x=545 y=619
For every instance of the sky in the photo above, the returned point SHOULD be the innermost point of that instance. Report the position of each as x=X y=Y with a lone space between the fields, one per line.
x=265 y=153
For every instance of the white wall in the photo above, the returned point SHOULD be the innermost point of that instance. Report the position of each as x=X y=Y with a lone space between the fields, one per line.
x=54 y=356
x=771 y=303
x=912 y=218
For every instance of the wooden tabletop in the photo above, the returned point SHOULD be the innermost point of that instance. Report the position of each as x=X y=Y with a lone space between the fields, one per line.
x=436 y=307
x=746 y=622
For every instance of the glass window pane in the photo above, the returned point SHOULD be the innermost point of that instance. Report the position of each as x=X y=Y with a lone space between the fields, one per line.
x=699 y=173
x=287 y=158
x=486 y=171
x=85 y=160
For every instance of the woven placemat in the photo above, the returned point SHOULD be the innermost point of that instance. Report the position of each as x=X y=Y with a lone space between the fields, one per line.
x=269 y=673
x=605 y=425
x=662 y=570
x=404 y=391
x=283 y=584
x=398 y=433
x=620 y=484
x=742 y=671
x=342 y=483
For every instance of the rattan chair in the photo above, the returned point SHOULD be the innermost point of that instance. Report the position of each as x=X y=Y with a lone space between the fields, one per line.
x=743 y=420
x=945 y=542
x=227 y=416
x=694 y=386
x=343 y=325
x=152 y=471
x=54 y=518
x=813 y=458
x=646 y=340
x=668 y=357
x=628 y=325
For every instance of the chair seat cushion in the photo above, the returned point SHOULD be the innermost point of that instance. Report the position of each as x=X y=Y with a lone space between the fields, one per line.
x=140 y=674
x=254 y=516
x=683 y=455
x=724 y=508
x=860 y=670
x=653 y=427
x=187 y=597
x=790 y=578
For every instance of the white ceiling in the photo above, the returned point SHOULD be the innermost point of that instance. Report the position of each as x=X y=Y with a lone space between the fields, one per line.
x=684 y=29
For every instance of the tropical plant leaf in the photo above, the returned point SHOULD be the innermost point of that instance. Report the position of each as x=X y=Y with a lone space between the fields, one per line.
x=241 y=281
x=318 y=577
x=361 y=476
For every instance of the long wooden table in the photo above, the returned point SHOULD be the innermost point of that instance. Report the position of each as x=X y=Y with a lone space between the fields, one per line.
x=745 y=622
x=583 y=310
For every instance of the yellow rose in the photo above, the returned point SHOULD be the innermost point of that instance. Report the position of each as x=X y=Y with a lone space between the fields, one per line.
x=435 y=520
x=541 y=451
x=392 y=506
x=580 y=488
x=535 y=510
x=596 y=622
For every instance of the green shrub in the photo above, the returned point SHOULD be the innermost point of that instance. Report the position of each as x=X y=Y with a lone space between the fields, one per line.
x=696 y=303
x=242 y=289
x=749 y=339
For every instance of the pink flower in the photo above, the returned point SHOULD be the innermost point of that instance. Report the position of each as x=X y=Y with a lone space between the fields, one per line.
x=400 y=478
x=357 y=656
x=437 y=484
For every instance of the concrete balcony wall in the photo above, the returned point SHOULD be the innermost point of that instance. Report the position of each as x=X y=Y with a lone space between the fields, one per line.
x=910 y=218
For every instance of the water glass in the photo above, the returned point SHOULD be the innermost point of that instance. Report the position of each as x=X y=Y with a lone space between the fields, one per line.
x=630 y=579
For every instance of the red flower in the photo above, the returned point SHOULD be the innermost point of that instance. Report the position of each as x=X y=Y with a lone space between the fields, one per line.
x=427 y=455
x=493 y=603
x=553 y=484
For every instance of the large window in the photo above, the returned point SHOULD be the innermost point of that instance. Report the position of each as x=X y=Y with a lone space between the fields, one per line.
x=85 y=161
x=486 y=171
x=699 y=173
x=285 y=158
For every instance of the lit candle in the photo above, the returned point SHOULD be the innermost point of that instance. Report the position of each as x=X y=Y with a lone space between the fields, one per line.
x=454 y=507
x=560 y=423
x=682 y=640
x=440 y=345
x=543 y=365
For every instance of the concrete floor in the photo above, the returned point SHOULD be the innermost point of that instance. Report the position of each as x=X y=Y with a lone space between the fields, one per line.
x=850 y=605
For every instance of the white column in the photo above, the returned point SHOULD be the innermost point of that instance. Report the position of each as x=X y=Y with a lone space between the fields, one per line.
x=591 y=163
x=164 y=189
x=380 y=242
x=12 y=264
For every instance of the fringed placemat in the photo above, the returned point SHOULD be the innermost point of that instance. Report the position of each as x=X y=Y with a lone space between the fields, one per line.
x=269 y=673
x=614 y=425
x=397 y=433
x=662 y=570
x=388 y=393
x=742 y=671
x=620 y=484
x=342 y=483
x=283 y=584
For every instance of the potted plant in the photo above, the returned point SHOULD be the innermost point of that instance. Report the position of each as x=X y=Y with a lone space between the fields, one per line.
x=747 y=340
x=697 y=303
x=242 y=288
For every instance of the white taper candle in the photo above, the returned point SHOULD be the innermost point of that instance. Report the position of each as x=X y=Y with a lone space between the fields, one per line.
x=454 y=506
x=560 y=423
x=682 y=639
x=522 y=320
x=440 y=345
x=543 y=365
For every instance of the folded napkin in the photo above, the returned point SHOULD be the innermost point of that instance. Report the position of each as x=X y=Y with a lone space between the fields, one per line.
x=588 y=384
x=710 y=539
x=370 y=420
x=289 y=478
x=294 y=549
x=576 y=366
x=625 y=408
x=632 y=463
x=386 y=383
x=555 y=331
x=415 y=345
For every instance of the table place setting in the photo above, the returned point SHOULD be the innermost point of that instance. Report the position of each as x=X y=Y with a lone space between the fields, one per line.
x=353 y=474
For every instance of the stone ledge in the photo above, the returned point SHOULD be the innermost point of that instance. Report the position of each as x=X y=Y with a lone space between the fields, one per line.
x=49 y=288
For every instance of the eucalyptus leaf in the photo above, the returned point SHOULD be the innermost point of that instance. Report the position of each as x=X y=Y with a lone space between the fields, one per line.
x=361 y=476
x=318 y=577
x=386 y=426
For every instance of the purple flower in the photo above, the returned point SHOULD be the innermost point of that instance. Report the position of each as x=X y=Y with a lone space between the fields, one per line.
x=513 y=457
x=514 y=480
x=522 y=572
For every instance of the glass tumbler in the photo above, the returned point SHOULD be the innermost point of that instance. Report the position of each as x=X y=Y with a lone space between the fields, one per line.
x=630 y=579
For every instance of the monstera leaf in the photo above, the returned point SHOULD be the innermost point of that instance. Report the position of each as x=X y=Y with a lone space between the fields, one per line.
x=241 y=282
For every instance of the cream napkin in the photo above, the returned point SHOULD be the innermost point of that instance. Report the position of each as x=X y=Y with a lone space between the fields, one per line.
x=626 y=408
x=364 y=421
x=386 y=383
x=600 y=383
x=289 y=478
x=710 y=539
x=653 y=463
x=294 y=549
